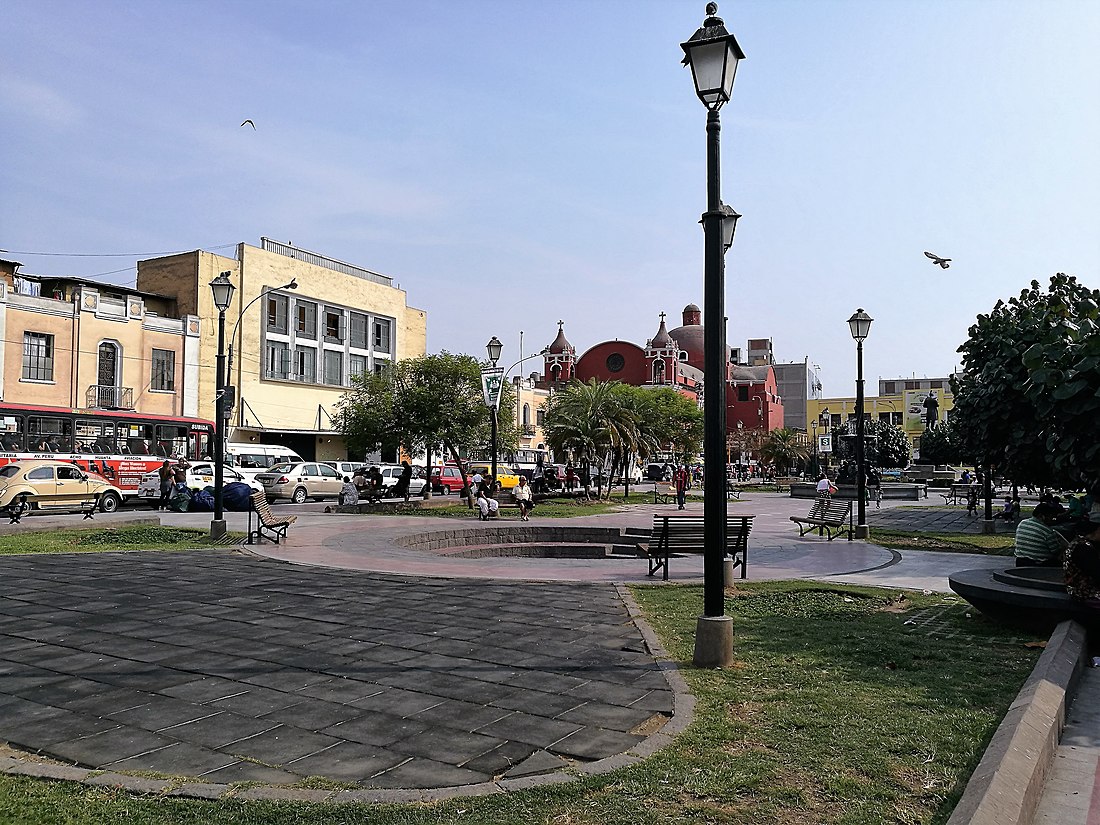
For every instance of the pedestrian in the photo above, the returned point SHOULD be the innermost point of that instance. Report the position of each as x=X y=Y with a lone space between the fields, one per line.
x=523 y=497
x=824 y=487
x=972 y=500
x=179 y=473
x=476 y=481
x=349 y=495
x=570 y=478
x=166 y=477
x=401 y=488
x=682 y=481
x=376 y=484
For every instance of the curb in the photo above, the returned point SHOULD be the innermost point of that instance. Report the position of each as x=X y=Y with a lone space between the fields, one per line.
x=1006 y=786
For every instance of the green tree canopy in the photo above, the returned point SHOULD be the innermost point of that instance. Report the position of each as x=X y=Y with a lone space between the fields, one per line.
x=939 y=444
x=1028 y=396
x=784 y=448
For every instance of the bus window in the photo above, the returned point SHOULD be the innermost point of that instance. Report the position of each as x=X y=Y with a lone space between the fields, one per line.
x=49 y=434
x=172 y=440
x=201 y=445
x=135 y=439
x=11 y=433
x=96 y=437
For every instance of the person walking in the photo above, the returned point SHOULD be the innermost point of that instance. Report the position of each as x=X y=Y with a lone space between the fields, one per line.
x=824 y=487
x=401 y=488
x=523 y=497
x=682 y=481
x=166 y=477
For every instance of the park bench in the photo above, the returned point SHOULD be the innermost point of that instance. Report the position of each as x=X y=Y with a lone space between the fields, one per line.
x=829 y=517
x=89 y=507
x=733 y=491
x=957 y=494
x=267 y=521
x=664 y=492
x=685 y=534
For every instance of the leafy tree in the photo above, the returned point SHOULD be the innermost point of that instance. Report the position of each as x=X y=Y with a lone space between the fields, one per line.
x=1028 y=396
x=784 y=448
x=886 y=445
x=939 y=444
x=677 y=422
x=422 y=402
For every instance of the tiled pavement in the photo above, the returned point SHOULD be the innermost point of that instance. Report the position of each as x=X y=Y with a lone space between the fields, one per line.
x=1071 y=795
x=231 y=669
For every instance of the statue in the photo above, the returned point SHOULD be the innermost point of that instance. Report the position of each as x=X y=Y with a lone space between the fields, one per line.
x=932 y=410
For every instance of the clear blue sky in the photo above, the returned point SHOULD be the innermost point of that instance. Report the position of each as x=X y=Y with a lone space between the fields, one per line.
x=513 y=163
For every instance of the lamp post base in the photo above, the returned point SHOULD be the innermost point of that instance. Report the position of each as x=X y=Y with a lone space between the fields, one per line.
x=989 y=527
x=217 y=528
x=862 y=531
x=713 y=642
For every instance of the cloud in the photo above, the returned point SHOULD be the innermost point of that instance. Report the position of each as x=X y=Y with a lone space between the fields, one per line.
x=28 y=99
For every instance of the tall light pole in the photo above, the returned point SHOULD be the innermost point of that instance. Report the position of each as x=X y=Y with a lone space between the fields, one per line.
x=860 y=326
x=713 y=55
x=221 y=288
x=493 y=348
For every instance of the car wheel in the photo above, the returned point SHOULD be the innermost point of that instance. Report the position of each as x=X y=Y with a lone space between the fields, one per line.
x=445 y=490
x=299 y=496
x=109 y=502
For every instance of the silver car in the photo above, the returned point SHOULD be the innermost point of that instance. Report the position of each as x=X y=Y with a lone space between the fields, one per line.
x=299 y=481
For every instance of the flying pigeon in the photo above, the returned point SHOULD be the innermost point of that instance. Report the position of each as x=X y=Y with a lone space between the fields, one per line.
x=944 y=263
x=253 y=125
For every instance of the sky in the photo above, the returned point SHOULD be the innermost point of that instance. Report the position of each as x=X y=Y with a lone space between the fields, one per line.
x=510 y=164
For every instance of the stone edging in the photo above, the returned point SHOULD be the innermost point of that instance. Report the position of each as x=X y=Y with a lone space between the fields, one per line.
x=683 y=709
x=1007 y=784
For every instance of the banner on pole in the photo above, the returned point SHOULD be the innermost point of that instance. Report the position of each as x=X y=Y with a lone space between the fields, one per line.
x=492 y=380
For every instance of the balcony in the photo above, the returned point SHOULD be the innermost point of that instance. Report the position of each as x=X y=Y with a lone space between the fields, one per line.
x=528 y=430
x=105 y=397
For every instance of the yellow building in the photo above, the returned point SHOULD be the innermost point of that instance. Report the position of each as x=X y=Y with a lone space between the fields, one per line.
x=294 y=348
x=74 y=343
x=900 y=402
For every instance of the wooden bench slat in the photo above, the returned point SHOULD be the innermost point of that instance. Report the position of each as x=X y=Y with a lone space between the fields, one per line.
x=275 y=525
x=832 y=517
x=687 y=533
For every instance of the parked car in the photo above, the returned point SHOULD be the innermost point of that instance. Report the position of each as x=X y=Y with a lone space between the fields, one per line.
x=198 y=476
x=299 y=481
x=252 y=459
x=392 y=472
x=346 y=468
x=55 y=485
x=507 y=477
x=446 y=480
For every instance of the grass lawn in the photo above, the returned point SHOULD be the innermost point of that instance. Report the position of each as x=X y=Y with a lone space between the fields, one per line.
x=548 y=508
x=997 y=544
x=99 y=540
x=839 y=710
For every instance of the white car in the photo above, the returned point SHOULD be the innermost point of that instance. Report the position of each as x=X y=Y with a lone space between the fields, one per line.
x=199 y=475
x=392 y=472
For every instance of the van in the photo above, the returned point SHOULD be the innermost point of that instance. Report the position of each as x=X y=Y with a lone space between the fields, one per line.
x=346 y=468
x=250 y=459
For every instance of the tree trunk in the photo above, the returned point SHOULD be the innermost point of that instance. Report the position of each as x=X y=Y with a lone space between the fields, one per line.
x=462 y=472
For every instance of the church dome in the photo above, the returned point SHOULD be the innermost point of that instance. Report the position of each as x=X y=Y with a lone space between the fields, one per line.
x=662 y=340
x=561 y=345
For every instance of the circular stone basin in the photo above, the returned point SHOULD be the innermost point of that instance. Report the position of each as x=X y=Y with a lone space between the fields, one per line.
x=1038 y=578
x=530 y=541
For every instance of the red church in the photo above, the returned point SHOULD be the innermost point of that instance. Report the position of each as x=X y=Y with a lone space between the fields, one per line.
x=673 y=358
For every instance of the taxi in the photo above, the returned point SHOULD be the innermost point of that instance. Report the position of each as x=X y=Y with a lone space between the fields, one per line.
x=507 y=477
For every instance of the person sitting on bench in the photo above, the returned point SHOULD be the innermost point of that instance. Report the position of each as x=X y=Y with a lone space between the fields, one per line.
x=1037 y=543
x=487 y=507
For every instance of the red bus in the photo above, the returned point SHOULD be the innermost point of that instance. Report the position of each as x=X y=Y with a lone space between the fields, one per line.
x=119 y=445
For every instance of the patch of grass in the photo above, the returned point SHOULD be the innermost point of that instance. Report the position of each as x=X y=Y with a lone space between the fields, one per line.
x=548 y=508
x=836 y=712
x=101 y=540
x=997 y=544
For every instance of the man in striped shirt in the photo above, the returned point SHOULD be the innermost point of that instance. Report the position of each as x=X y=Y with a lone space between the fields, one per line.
x=1037 y=543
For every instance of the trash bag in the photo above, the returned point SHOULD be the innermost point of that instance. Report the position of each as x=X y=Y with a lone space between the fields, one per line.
x=235 y=497
x=180 y=502
x=202 y=501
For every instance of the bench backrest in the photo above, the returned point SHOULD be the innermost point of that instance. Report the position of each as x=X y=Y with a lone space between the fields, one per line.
x=836 y=511
x=682 y=532
x=260 y=505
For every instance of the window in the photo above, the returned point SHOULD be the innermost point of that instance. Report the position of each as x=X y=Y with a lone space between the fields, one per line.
x=277 y=364
x=912 y=385
x=742 y=393
x=358 y=334
x=164 y=370
x=305 y=321
x=37 y=356
x=381 y=367
x=276 y=314
x=540 y=417
x=48 y=434
x=889 y=388
x=357 y=365
x=936 y=385
x=334 y=367
x=334 y=325
x=305 y=364
x=381 y=335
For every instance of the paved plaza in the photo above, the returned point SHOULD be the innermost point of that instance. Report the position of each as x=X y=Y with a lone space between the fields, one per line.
x=369 y=664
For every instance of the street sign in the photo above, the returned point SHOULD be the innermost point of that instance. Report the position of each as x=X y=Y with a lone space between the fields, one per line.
x=492 y=380
x=824 y=443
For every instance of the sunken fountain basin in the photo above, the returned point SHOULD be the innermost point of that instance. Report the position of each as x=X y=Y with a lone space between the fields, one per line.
x=527 y=540
x=1034 y=598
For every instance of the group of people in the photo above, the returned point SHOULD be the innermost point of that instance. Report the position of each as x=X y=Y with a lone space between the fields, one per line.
x=173 y=480
x=368 y=484
x=1064 y=536
x=488 y=507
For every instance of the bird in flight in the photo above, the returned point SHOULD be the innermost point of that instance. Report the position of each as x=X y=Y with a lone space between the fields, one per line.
x=253 y=125
x=936 y=259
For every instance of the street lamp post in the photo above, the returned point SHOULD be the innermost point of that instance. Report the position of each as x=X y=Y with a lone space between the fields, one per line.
x=233 y=337
x=860 y=326
x=494 y=348
x=221 y=288
x=713 y=55
x=824 y=418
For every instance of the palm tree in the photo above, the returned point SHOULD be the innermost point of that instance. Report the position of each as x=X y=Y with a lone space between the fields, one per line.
x=783 y=447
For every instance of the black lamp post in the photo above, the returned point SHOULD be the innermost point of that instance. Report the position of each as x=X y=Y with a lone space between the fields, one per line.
x=494 y=348
x=860 y=326
x=222 y=290
x=824 y=418
x=713 y=55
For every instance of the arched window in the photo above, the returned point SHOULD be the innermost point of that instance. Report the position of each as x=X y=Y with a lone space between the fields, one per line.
x=108 y=374
x=555 y=372
x=658 y=372
x=526 y=415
